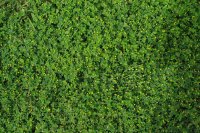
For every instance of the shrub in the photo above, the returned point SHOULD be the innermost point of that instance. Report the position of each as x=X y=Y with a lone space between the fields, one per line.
x=99 y=66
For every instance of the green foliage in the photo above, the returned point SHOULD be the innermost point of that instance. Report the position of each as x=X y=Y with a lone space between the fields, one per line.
x=99 y=66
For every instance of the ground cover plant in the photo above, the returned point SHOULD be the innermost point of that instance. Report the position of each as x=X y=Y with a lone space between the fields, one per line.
x=99 y=66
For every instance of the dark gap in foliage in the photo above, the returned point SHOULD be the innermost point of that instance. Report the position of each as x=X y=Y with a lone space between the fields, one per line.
x=102 y=48
x=80 y=76
x=5 y=82
x=100 y=12
x=130 y=61
x=120 y=47
x=54 y=6
x=35 y=71
x=140 y=62
x=1 y=64
x=1 y=24
x=54 y=25
x=28 y=15
x=99 y=7
x=34 y=123
x=84 y=38
x=1 y=108
x=60 y=76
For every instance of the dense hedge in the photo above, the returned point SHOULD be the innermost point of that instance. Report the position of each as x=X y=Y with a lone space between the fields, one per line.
x=99 y=66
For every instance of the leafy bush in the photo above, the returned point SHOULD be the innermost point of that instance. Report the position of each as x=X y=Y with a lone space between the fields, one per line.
x=99 y=66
